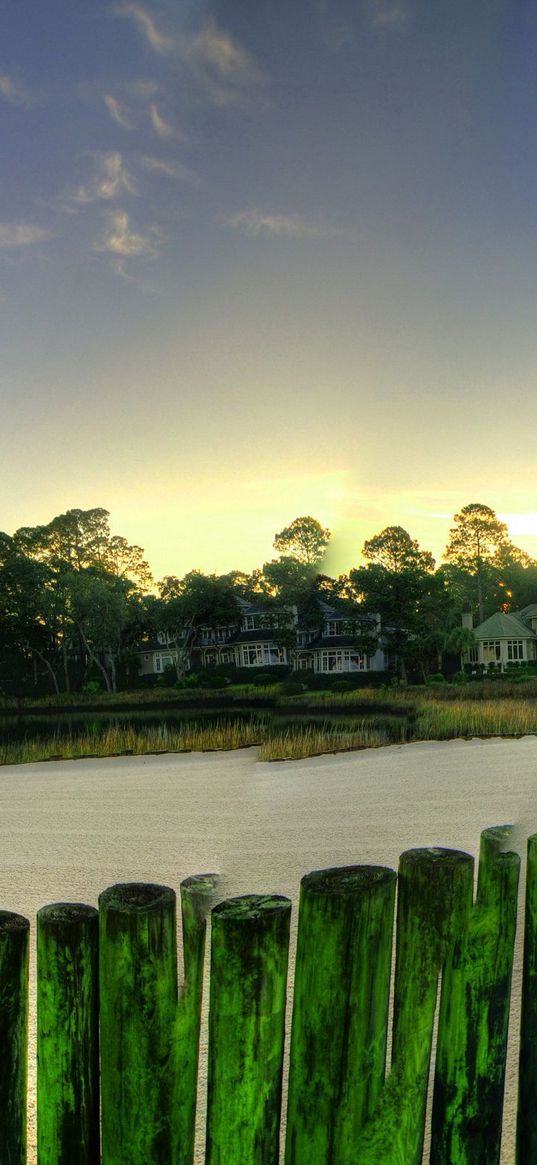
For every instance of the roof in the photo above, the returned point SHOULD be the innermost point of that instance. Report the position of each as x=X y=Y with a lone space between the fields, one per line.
x=502 y=626
x=261 y=635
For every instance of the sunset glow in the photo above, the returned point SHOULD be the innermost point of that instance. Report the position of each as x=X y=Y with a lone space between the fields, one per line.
x=257 y=262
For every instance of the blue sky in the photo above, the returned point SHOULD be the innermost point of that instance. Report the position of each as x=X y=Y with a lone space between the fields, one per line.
x=258 y=260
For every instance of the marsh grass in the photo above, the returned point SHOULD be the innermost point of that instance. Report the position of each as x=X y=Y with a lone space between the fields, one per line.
x=442 y=720
x=298 y=743
x=129 y=740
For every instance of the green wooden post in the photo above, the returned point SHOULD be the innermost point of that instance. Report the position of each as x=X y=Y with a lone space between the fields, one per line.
x=67 y=1035
x=474 y=1017
x=196 y=897
x=527 y=1074
x=434 y=899
x=138 y=1001
x=249 y=952
x=340 y=1011
x=14 y=950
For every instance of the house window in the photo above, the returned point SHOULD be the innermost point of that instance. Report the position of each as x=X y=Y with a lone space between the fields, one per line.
x=473 y=655
x=343 y=660
x=273 y=654
x=331 y=627
x=492 y=650
x=250 y=622
x=252 y=655
x=515 y=649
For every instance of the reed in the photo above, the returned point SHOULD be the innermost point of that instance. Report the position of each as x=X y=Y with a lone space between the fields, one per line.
x=437 y=720
x=127 y=740
x=297 y=743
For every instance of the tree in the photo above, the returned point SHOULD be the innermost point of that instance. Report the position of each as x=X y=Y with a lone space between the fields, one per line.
x=394 y=549
x=400 y=584
x=305 y=541
x=187 y=603
x=474 y=541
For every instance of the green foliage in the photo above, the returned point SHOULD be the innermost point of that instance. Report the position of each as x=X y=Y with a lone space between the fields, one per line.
x=304 y=541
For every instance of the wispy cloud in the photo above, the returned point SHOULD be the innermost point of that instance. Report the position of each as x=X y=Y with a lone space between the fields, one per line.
x=10 y=90
x=160 y=42
x=256 y=222
x=111 y=178
x=170 y=169
x=118 y=112
x=222 y=67
x=21 y=234
x=121 y=241
x=162 y=128
x=387 y=13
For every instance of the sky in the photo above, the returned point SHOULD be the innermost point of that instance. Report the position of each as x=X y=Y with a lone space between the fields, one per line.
x=259 y=260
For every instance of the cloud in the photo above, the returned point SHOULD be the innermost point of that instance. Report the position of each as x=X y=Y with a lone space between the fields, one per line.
x=21 y=234
x=158 y=41
x=117 y=111
x=256 y=222
x=11 y=91
x=222 y=67
x=162 y=128
x=110 y=179
x=220 y=64
x=119 y=240
x=387 y=13
x=171 y=170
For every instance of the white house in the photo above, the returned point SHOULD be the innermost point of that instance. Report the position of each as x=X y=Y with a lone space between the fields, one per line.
x=504 y=638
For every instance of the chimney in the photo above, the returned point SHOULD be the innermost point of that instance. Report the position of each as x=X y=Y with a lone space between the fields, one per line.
x=467 y=620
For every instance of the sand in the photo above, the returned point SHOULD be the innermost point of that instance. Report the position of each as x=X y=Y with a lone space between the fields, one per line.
x=69 y=829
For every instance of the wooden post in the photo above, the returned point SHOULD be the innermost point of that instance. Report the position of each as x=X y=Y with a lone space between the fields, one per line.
x=340 y=1011
x=527 y=1073
x=14 y=949
x=196 y=897
x=434 y=898
x=474 y=1017
x=138 y=1001
x=249 y=952
x=67 y=1035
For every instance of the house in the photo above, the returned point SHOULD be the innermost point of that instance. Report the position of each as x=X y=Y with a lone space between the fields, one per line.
x=504 y=639
x=332 y=647
x=270 y=637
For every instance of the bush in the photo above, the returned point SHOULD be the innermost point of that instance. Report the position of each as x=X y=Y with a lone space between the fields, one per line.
x=263 y=678
x=191 y=680
x=292 y=688
x=342 y=686
x=92 y=688
x=437 y=678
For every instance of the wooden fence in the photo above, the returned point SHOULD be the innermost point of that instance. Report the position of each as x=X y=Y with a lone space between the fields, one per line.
x=117 y=1047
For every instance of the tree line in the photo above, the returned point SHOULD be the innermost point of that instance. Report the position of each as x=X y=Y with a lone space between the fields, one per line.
x=75 y=599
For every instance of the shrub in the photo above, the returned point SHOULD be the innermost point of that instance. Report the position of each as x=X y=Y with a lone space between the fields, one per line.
x=92 y=688
x=342 y=686
x=292 y=688
x=262 y=679
x=437 y=678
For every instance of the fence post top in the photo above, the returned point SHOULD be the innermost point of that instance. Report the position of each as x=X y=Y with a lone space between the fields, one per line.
x=136 y=897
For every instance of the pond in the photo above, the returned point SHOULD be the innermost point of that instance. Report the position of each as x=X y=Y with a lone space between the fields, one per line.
x=167 y=724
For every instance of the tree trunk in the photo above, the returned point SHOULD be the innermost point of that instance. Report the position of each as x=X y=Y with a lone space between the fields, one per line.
x=48 y=667
x=66 y=667
x=96 y=661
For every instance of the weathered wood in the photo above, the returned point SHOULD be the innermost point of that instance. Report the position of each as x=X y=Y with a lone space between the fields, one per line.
x=197 y=894
x=527 y=1072
x=14 y=948
x=67 y=1035
x=434 y=897
x=474 y=1017
x=249 y=952
x=340 y=1011
x=138 y=1001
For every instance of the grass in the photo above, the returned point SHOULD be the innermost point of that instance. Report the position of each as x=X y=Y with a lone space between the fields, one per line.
x=439 y=713
x=127 y=740
x=296 y=744
x=440 y=720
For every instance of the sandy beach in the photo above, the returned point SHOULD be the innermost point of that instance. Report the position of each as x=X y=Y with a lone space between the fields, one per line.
x=69 y=829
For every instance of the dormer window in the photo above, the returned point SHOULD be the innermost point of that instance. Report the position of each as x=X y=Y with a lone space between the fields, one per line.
x=251 y=622
x=161 y=637
x=331 y=627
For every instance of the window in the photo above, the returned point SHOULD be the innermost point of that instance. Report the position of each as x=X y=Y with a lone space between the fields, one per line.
x=343 y=660
x=473 y=655
x=492 y=650
x=250 y=622
x=331 y=627
x=515 y=649
x=252 y=655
